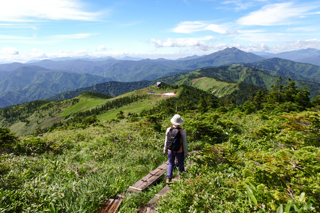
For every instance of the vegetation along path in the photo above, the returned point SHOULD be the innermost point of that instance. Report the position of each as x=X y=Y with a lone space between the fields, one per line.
x=260 y=156
x=112 y=205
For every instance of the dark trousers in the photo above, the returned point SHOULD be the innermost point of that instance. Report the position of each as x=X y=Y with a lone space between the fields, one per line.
x=171 y=157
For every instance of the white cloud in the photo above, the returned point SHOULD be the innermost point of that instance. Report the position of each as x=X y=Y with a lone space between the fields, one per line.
x=10 y=51
x=188 y=47
x=302 y=29
x=216 y=28
x=185 y=42
x=73 y=36
x=101 y=48
x=31 y=10
x=315 y=13
x=37 y=54
x=296 y=45
x=239 y=4
x=256 y=48
x=190 y=27
x=274 y=14
x=196 y=26
x=260 y=36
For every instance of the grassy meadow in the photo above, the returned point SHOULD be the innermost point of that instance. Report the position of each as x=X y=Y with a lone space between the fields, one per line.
x=262 y=156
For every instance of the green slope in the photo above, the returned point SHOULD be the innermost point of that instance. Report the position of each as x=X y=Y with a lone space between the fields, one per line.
x=111 y=88
x=33 y=83
x=282 y=66
x=151 y=95
x=240 y=73
x=86 y=101
x=23 y=119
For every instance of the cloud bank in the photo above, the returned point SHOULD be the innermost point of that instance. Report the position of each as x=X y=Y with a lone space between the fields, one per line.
x=10 y=51
x=198 y=43
x=274 y=14
x=31 y=10
x=197 y=26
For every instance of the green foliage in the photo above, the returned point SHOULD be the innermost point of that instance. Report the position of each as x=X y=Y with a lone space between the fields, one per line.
x=254 y=172
x=7 y=140
x=20 y=112
x=93 y=164
x=279 y=99
x=30 y=146
x=187 y=100
x=207 y=127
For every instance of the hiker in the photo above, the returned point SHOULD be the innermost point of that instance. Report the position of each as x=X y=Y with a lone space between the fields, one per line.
x=176 y=144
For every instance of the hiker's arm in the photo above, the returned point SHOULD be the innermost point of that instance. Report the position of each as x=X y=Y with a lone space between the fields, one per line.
x=165 y=143
x=184 y=143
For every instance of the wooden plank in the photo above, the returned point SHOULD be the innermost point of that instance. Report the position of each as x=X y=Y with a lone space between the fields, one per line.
x=164 y=165
x=163 y=191
x=149 y=182
x=155 y=171
x=159 y=172
x=110 y=205
x=141 y=182
x=152 y=202
x=133 y=189
x=137 y=184
x=151 y=209
x=149 y=178
x=142 y=209
x=151 y=205
x=146 y=178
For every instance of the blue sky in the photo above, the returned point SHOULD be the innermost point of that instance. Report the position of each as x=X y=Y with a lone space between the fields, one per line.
x=37 y=29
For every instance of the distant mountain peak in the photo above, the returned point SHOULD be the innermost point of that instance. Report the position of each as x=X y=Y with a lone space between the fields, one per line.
x=232 y=48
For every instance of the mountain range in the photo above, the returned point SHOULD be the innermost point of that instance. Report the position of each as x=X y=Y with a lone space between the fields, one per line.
x=309 y=55
x=146 y=69
x=44 y=79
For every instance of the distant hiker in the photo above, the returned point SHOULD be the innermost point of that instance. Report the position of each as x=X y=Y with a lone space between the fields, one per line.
x=176 y=145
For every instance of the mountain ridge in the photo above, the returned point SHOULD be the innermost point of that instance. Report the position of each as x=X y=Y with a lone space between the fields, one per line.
x=30 y=83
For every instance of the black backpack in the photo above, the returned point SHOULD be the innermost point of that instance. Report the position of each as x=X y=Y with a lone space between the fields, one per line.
x=174 y=139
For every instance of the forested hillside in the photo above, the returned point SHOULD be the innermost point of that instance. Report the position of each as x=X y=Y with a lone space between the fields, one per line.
x=261 y=156
x=232 y=83
x=111 y=88
x=33 y=83
x=282 y=67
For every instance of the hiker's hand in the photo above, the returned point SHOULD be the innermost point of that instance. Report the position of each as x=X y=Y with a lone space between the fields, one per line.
x=164 y=152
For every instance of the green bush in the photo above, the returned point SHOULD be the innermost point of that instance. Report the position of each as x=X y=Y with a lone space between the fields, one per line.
x=7 y=140
x=31 y=146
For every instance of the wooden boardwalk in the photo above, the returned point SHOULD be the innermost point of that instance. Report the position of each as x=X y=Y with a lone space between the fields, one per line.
x=150 y=207
x=112 y=205
x=149 y=179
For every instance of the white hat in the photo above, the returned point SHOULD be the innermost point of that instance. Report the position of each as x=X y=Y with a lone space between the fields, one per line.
x=176 y=120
